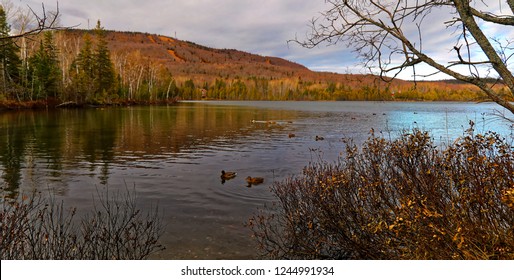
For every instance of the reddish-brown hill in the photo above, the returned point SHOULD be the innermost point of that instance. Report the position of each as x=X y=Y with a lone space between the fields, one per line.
x=187 y=60
x=184 y=58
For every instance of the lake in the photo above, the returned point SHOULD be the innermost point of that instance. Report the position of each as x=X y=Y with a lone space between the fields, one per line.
x=173 y=156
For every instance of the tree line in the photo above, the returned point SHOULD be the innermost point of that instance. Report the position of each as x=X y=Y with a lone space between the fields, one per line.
x=30 y=69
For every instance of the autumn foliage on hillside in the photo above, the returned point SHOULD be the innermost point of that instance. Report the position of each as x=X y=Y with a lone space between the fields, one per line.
x=148 y=68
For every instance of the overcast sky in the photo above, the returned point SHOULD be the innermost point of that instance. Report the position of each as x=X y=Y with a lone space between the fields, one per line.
x=260 y=27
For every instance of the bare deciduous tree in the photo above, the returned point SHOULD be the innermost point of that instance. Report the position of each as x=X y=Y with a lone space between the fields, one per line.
x=390 y=35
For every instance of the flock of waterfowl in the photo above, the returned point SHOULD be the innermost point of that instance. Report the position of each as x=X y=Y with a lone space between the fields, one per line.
x=251 y=181
x=228 y=175
x=290 y=135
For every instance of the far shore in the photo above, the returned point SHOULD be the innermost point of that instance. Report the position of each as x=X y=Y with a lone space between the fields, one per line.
x=13 y=105
x=7 y=105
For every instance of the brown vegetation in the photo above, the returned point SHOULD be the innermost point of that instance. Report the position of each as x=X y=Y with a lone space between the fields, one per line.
x=34 y=227
x=398 y=199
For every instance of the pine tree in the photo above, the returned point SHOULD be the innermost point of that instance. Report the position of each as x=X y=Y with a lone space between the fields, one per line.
x=10 y=62
x=92 y=73
x=82 y=72
x=45 y=70
x=104 y=69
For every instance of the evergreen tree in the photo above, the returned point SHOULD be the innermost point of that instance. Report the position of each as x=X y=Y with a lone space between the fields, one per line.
x=45 y=70
x=104 y=69
x=82 y=72
x=92 y=73
x=10 y=62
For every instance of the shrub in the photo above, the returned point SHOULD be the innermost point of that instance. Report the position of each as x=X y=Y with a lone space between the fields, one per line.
x=35 y=227
x=397 y=199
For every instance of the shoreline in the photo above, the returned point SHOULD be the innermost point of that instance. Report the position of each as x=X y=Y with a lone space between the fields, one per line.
x=12 y=105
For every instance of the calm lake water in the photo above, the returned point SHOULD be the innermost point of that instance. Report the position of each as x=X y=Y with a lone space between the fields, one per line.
x=173 y=156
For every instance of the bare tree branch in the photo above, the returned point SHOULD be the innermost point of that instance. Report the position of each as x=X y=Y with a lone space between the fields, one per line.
x=381 y=33
x=469 y=22
x=44 y=21
x=505 y=20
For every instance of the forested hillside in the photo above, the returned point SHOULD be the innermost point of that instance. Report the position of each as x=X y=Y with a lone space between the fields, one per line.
x=77 y=67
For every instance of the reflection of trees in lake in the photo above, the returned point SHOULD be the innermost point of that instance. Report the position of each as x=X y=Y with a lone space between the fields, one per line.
x=157 y=130
x=12 y=152
x=37 y=146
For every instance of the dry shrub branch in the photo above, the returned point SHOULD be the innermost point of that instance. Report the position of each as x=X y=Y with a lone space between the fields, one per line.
x=397 y=199
x=37 y=227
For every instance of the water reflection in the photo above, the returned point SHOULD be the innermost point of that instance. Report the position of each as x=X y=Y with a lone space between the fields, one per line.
x=93 y=140
x=174 y=155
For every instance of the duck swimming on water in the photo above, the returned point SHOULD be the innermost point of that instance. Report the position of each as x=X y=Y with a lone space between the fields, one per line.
x=227 y=175
x=254 y=180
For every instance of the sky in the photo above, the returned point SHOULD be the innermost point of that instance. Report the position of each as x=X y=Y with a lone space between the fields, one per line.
x=261 y=27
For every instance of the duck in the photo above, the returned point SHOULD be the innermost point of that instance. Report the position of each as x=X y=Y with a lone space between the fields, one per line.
x=227 y=175
x=254 y=180
x=291 y=135
x=319 y=138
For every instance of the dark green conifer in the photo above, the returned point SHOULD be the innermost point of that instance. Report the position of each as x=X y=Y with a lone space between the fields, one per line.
x=10 y=62
x=45 y=70
x=104 y=69
x=93 y=76
x=82 y=72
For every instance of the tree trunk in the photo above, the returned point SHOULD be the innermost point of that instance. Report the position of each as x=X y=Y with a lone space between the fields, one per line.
x=469 y=22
